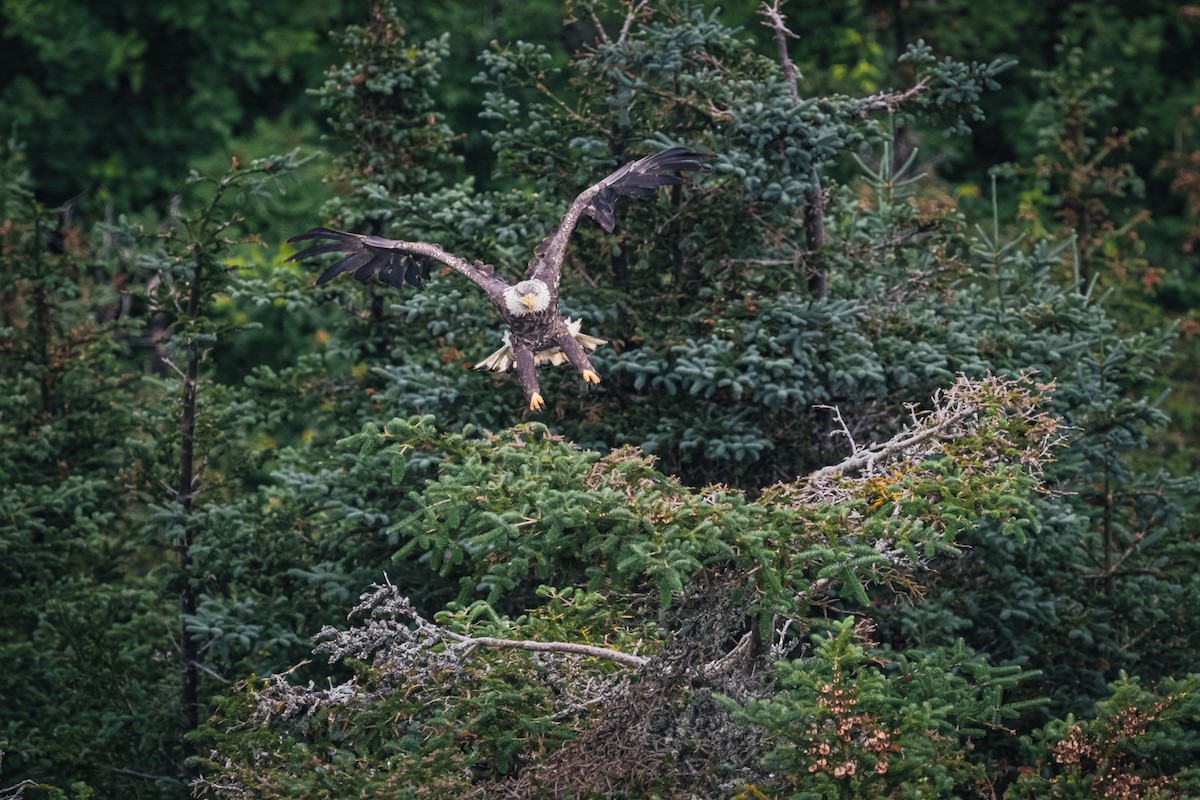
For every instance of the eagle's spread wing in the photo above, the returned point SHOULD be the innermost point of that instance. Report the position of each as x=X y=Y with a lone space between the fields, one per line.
x=392 y=261
x=640 y=178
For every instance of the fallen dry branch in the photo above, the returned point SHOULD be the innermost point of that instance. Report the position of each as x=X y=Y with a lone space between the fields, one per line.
x=467 y=642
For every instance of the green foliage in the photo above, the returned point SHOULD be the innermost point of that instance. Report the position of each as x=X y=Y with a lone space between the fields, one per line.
x=83 y=690
x=380 y=106
x=853 y=721
x=1141 y=743
x=525 y=493
x=1072 y=176
x=649 y=591
x=484 y=715
x=523 y=514
x=1112 y=537
x=955 y=86
x=118 y=100
x=87 y=530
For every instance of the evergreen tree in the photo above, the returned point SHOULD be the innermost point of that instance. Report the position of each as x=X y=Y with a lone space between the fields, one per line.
x=868 y=505
x=116 y=101
x=86 y=692
x=720 y=308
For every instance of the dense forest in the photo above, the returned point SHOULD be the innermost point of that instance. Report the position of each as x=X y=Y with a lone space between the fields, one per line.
x=888 y=488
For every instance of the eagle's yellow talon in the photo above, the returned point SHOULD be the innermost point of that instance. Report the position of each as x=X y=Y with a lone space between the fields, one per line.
x=536 y=402
x=590 y=377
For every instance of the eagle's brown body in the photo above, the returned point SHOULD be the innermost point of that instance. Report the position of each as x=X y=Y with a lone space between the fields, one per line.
x=537 y=332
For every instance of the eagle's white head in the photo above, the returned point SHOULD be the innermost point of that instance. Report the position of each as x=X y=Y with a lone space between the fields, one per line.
x=527 y=297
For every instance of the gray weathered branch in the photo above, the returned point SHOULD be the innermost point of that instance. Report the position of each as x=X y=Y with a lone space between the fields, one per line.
x=468 y=642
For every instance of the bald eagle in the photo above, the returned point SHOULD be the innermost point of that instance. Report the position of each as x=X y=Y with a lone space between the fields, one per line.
x=537 y=332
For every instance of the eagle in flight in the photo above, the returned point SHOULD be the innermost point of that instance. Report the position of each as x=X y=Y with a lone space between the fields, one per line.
x=537 y=332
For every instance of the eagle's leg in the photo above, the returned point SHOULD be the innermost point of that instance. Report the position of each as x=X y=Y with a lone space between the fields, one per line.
x=578 y=358
x=527 y=372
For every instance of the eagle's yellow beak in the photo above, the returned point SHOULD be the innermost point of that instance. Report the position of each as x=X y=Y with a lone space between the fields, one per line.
x=529 y=302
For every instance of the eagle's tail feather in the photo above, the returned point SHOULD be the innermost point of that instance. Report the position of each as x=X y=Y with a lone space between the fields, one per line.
x=499 y=361
x=503 y=359
x=589 y=343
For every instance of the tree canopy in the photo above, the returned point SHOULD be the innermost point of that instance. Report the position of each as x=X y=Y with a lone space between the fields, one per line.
x=882 y=494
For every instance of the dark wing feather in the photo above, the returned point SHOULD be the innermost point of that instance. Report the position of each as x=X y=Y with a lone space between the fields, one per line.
x=641 y=178
x=390 y=261
x=350 y=264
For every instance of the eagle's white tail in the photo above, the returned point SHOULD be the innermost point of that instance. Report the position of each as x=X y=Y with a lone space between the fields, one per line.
x=502 y=360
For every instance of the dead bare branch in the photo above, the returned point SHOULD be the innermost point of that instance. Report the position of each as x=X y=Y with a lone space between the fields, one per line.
x=395 y=635
x=634 y=12
x=728 y=662
x=955 y=408
x=865 y=459
x=601 y=34
x=465 y=643
x=16 y=791
x=845 y=431
x=890 y=101
x=778 y=23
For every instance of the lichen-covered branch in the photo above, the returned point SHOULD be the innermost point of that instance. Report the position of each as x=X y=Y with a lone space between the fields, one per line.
x=890 y=101
x=465 y=643
x=395 y=632
x=957 y=411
